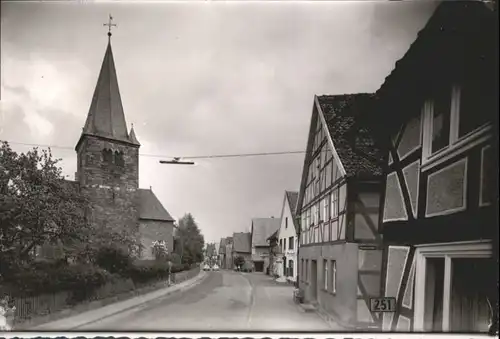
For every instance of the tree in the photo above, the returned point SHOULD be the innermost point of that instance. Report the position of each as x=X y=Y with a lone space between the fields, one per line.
x=159 y=249
x=190 y=240
x=37 y=206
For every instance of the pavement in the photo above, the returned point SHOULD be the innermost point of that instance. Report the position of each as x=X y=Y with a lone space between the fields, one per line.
x=222 y=301
x=73 y=322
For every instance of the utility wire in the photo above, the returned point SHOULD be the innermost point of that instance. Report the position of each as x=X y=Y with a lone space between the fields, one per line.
x=214 y=156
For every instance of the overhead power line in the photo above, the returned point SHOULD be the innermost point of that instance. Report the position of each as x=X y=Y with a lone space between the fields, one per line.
x=213 y=156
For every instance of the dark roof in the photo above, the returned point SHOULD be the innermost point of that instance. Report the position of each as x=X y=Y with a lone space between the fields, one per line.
x=262 y=228
x=273 y=236
x=106 y=118
x=355 y=146
x=150 y=208
x=242 y=242
x=459 y=38
x=293 y=198
x=222 y=245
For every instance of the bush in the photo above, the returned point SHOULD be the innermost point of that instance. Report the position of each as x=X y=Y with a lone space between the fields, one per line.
x=144 y=271
x=47 y=277
x=113 y=260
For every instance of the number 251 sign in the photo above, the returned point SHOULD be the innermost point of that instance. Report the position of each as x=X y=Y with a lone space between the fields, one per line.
x=383 y=304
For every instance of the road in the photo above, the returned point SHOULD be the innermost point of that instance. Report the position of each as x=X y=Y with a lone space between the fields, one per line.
x=224 y=301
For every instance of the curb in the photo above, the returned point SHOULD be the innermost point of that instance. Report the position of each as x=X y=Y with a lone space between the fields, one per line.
x=192 y=282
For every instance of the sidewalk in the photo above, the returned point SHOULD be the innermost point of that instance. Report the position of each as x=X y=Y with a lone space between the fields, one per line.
x=81 y=319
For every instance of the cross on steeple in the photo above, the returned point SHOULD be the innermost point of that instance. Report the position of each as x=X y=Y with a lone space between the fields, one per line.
x=110 y=24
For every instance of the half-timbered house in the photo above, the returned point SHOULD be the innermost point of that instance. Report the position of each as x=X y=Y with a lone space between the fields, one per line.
x=439 y=108
x=340 y=252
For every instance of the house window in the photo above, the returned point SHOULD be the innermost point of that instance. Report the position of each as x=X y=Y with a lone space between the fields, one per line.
x=290 y=268
x=475 y=106
x=284 y=244
x=446 y=299
x=450 y=118
x=440 y=107
x=318 y=213
x=325 y=275
x=321 y=211
x=334 y=203
x=326 y=207
x=290 y=243
x=334 y=276
x=306 y=270
x=286 y=222
x=281 y=243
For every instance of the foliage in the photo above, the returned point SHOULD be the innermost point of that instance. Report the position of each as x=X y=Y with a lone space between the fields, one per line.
x=239 y=261
x=174 y=258
x=143 y=271
x=160 y=249
x=37 y=206
x=51 y=277
x=191 y=241
x=113 y=259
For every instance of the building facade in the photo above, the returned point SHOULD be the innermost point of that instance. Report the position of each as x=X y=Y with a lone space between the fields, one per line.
x=222 y=253
x=287 y=238
x=440 y=209
x=242 y=248
x=229 y=253
x=340 y=253
x=261 y=230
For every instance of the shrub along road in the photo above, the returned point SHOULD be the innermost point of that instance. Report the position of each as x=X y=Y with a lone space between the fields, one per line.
x=224 y=301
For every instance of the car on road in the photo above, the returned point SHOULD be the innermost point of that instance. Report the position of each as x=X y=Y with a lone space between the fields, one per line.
x=206 y=267
x=215 y=267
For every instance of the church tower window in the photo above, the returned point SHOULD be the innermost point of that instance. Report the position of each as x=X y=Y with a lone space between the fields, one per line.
x=107 y=155
x=119 y=159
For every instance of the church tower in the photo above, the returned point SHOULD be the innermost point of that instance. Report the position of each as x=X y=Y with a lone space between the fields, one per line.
x=108 y=155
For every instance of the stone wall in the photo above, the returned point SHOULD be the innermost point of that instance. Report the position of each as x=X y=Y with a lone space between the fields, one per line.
x=111 y=187
x=151 y=230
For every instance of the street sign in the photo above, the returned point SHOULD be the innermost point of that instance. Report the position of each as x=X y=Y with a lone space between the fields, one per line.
x=385 y=304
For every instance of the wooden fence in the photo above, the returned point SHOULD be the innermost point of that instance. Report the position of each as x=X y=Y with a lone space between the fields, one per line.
x=27 y=307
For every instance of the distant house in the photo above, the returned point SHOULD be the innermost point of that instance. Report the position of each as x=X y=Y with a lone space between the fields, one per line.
x=340 y=250
x=229 y=253
x=276 y=258
x=287 y=236
x=222 y=253
x=261 y=230
x=242 y=248
x=210 y=254
x=439 y=108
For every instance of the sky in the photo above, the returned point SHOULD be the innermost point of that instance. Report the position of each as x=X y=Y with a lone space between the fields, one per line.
x=199 y=78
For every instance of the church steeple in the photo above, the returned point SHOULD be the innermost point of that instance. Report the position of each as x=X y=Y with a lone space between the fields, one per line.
x=106 y=117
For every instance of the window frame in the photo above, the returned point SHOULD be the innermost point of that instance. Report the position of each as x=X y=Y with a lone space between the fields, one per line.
x=325 y=274
x=334 y=203
x=456 y=144
x=333 y=264
x=448 y=251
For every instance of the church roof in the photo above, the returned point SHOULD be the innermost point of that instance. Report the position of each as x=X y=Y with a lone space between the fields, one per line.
x=150 y=208
x=106 y=118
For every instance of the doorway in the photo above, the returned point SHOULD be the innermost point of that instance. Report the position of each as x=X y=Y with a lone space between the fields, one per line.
x=259 y=266
x=314 y=280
